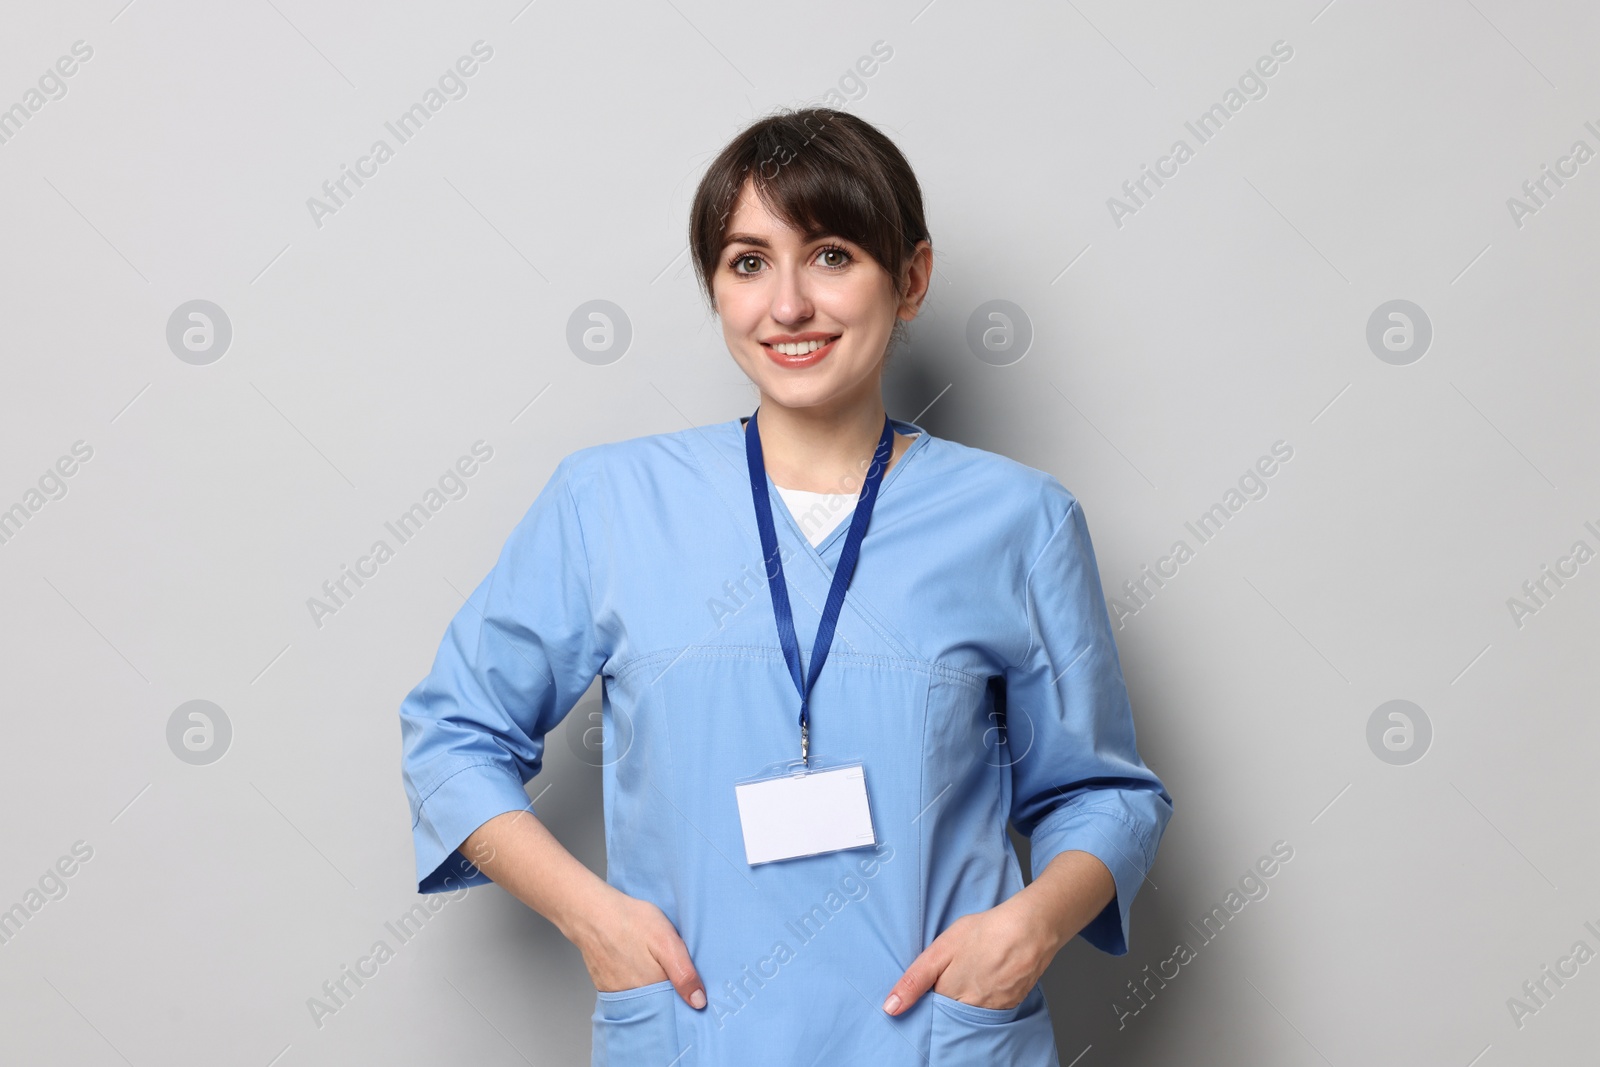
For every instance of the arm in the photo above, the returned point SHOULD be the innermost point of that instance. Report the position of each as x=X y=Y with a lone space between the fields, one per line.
x=1092 y=809
x=515 y=659
x=1073 y=888
x=519 y=853
x=1081 y=786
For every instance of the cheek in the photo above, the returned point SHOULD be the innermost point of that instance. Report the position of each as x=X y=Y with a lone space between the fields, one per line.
x=858 y=303
x=867 y=309
x=738 y=312
x=741 y=319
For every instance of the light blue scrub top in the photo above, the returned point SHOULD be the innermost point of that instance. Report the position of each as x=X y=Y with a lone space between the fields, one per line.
x=973 y=673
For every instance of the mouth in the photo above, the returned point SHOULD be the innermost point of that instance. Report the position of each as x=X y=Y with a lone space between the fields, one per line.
x=800 y=353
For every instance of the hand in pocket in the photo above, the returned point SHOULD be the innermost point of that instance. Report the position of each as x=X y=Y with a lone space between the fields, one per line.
x=990 y=959
x=630 y=943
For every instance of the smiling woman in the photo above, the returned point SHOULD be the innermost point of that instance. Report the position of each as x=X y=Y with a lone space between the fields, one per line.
x=972 y=680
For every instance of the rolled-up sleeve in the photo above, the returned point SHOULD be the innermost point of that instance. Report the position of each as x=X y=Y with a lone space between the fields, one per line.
x=1078 y=781
x=514 y=660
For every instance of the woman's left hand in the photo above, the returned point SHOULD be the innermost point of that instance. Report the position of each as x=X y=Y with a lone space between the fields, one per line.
x=990 y=959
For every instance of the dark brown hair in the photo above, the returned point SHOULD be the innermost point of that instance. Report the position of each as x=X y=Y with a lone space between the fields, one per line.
x=821 y=171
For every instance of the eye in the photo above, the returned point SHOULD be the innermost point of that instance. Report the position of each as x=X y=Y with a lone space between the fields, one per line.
x=841 y=256
x=744 y=258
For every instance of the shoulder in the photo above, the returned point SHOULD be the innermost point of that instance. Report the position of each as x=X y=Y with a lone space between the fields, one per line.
x=655 y=459
x=1029 y=501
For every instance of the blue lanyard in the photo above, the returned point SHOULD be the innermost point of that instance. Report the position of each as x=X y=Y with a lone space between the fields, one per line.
x=841 y=573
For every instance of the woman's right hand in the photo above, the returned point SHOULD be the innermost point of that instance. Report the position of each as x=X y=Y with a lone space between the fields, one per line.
x=627 y=943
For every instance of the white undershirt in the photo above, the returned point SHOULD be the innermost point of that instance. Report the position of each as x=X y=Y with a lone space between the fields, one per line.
x=817 y=514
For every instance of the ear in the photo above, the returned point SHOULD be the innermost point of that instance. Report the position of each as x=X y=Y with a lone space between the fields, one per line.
x=916 y=277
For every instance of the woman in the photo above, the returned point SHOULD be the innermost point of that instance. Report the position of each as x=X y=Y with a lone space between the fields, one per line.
x=864 y=903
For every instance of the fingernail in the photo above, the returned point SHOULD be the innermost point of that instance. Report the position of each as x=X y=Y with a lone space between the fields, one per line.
x=698 y=998
x=892 y=1005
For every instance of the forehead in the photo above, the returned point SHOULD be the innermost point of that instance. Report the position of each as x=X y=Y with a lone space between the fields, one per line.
x=751 y=217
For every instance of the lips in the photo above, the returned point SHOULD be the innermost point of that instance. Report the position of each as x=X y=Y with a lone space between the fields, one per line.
x=795 y=362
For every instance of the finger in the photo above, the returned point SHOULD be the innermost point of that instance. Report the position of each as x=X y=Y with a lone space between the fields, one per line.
x=917 y=980
x=680 y=969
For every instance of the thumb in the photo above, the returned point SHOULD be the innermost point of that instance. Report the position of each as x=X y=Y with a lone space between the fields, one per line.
x=680 y=969
x=917 y=980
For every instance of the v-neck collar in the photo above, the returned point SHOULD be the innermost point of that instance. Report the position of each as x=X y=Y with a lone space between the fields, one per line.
x=820 y=550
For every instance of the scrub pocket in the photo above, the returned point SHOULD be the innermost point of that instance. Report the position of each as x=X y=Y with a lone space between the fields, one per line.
x=637 y=1028
x=966 y=1036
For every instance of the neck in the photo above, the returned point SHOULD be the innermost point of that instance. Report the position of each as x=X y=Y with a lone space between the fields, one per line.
x=823 y=449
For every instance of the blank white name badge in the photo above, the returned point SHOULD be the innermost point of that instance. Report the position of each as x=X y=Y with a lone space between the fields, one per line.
x=804 y=812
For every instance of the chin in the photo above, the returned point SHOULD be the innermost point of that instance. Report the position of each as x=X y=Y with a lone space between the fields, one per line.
x=793 y=394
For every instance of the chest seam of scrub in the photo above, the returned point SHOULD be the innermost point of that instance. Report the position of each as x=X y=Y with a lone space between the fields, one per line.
x=762 y=652
x=922 y=873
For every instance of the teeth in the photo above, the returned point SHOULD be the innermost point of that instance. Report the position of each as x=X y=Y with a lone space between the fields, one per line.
x=799 y=349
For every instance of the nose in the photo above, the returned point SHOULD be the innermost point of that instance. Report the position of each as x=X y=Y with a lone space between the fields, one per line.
x=791 y=298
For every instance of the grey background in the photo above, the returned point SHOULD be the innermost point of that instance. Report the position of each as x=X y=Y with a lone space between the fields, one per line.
x=1168 y=353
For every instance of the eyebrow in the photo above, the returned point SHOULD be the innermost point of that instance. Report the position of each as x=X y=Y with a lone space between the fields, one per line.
x=762 y=242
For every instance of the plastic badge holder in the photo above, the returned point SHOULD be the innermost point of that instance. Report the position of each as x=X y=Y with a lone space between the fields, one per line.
x=783 y=816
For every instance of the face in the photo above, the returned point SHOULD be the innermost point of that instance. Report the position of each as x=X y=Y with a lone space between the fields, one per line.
x=808 y=320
